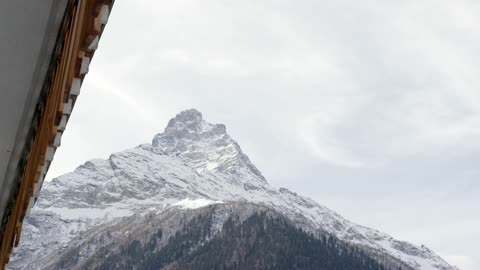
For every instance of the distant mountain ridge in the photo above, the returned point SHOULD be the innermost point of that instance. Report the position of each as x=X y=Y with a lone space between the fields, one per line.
x=194 y=165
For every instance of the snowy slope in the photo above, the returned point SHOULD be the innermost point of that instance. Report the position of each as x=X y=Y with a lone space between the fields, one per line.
x=192 y=164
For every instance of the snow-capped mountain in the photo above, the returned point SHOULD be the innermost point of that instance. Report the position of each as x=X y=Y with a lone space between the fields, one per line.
x=191 y=165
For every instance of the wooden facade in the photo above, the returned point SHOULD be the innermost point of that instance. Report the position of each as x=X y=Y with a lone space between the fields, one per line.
x=81 y=28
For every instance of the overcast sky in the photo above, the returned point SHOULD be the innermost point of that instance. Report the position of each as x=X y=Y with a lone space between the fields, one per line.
x=372 y=108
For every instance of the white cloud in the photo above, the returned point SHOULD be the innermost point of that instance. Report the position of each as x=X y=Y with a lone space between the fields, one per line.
x=369 y=128
x=462 y=262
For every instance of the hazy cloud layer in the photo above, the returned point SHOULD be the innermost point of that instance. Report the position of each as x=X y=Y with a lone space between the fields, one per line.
x=370 y=107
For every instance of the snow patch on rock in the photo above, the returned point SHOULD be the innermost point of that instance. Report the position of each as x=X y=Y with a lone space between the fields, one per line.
x=195 y=203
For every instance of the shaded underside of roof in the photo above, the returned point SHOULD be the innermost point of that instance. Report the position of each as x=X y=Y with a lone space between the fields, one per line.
x=28 y=32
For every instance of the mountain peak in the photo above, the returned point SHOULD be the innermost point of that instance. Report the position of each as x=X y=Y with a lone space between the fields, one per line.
x=196 y=166
x=204 y=146
x=189 y=119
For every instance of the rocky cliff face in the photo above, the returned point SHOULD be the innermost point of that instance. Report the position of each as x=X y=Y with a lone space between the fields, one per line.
x=193 y=164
